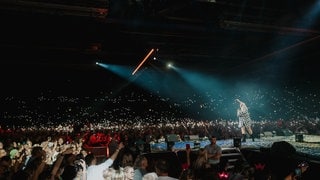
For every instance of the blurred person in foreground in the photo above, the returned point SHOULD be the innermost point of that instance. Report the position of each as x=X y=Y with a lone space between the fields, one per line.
x=284 y=163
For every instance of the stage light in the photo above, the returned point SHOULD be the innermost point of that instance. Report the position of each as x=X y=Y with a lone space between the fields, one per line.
x=223 y=175
x=141 y=63
x=102 y=65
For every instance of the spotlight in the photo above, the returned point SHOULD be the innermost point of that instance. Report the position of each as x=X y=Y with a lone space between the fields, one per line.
x=170 y=65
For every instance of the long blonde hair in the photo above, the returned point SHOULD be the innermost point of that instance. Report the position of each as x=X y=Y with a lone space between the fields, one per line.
x=112 y=174
x=202 y=159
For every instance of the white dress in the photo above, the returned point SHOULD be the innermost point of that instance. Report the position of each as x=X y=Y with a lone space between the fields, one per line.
x=244 y=116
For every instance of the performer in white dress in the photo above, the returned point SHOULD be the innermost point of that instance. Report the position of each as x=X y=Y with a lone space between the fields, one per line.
x=244 y=120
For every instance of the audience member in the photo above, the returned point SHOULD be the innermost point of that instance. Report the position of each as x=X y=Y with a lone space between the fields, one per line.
x=108 y=173
x=127 y=159
x=5 y=164
x=128 y=173
x=150 y=176
x=214 y=152
x=140 y=167
x=81 y=170
x=70 y=170
x=284 y=163
x=94 y=170
x=162 y=167
x=201 y=166
x=187 y=174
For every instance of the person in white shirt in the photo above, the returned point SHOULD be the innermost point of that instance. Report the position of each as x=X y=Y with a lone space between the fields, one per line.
x=94 y=170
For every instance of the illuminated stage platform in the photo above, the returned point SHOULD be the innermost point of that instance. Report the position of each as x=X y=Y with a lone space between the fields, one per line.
x=310 y=145
x=253 y=152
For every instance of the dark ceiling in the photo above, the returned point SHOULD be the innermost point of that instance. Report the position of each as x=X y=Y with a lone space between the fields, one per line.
x=222 y=36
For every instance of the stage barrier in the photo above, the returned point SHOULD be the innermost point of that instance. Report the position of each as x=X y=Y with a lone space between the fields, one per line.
x=165 y=146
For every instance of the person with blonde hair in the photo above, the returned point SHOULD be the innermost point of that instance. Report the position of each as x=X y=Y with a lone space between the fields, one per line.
x=150 y=176
x=244 y=120
x=201 y=161
x=128 y=172
x=201 y=165
x=109 y=173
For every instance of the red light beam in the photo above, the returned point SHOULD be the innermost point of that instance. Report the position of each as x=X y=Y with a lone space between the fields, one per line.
x=141 y=63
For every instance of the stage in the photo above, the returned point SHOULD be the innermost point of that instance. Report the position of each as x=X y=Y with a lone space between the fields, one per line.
x=309 y=144
x=307 y=149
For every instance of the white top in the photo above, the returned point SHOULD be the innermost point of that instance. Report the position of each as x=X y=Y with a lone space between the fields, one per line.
x=166 y=178
x=95 y=172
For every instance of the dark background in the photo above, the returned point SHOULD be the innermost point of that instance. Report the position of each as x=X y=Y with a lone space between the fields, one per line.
x=47 y=44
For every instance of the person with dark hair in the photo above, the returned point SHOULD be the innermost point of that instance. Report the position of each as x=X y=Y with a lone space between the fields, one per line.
x=36 y=151
x=126 y=159
x=162 y=167
x=284 y=162
x=31 y=171
x=69 y=171
x=214 y=152
x=244 y=120
x=5 y=164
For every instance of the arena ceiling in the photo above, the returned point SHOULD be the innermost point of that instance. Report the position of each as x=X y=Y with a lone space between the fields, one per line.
x=218 y=36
